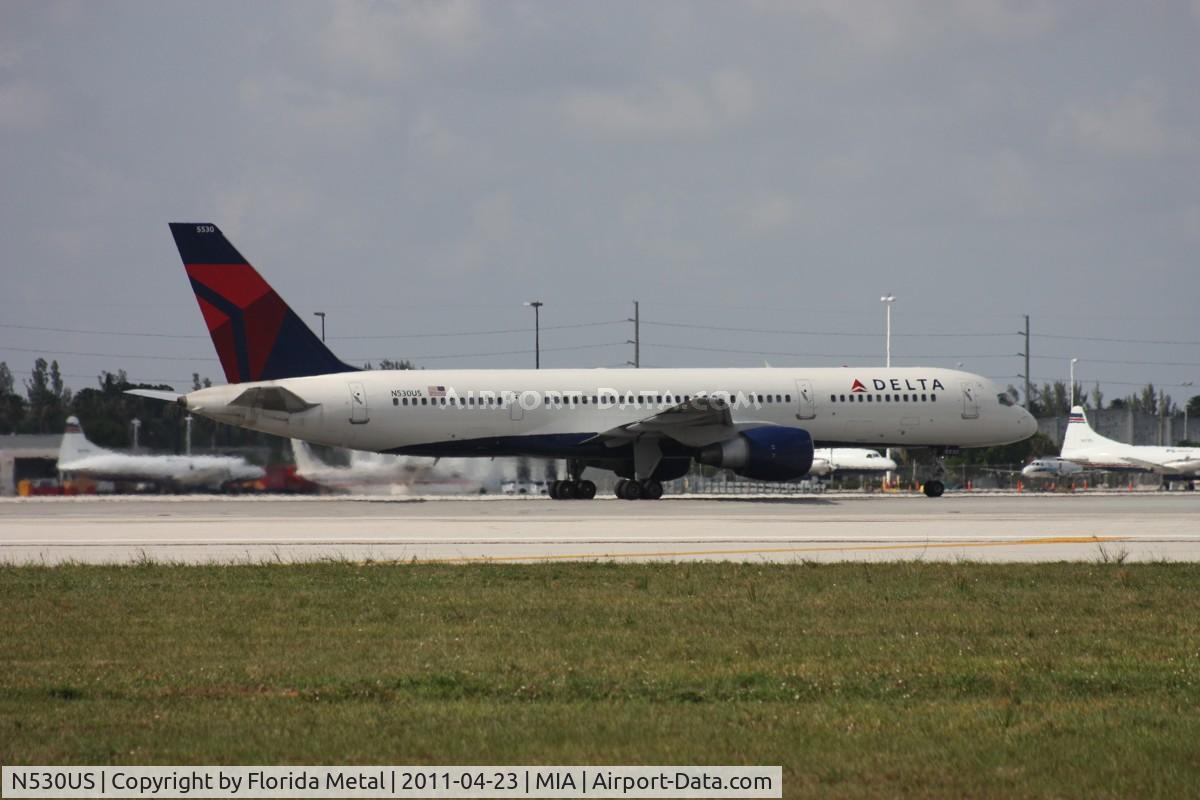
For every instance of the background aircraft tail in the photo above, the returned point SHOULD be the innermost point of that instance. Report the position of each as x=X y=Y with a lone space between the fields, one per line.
x=257 y=336
x=75 y=444
x=1080 y=435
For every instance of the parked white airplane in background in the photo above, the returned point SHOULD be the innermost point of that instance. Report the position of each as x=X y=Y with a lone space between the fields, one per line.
x=1085 y=447
x=830 y=460
x=369 y=472
x=1052 y=467
x=78 y=456
x=646 y=425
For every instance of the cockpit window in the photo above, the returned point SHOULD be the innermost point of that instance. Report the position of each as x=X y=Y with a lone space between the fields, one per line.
x=1005 y=399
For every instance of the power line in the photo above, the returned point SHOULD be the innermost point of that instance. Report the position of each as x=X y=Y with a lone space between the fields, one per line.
x=819 y=355
x=873 y=335
x=498 y=353
x=1114 y=340
x=43 y=351
x=103 y=333
x=481 y=333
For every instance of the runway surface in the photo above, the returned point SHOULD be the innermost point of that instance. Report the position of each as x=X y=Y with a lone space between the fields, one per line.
x=1137 y=526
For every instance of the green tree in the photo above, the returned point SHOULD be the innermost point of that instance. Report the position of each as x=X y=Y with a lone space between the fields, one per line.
x=388 y=363
x=12 y=405
x=48 y=398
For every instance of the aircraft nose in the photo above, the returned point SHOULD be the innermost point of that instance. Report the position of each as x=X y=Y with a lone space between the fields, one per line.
x=1027 y=423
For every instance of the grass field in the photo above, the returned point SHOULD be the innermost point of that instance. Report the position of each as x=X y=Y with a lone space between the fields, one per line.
x=877 y=680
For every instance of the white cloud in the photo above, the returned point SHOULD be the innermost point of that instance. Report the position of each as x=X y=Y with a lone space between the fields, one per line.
x=386 y=40
x=1127 y=125
x=1004 y=185
x=339 y=117
x=664 y=109
x=884 y=26
x=431 y=135
x=767 y=214
x=24 y=105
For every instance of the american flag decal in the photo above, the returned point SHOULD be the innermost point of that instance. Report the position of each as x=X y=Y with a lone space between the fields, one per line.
x=437 y=391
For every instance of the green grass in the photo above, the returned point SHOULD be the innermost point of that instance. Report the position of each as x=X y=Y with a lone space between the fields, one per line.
x=862 y=680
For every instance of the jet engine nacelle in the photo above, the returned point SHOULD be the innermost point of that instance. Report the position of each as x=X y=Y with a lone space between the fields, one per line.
x=769 y=453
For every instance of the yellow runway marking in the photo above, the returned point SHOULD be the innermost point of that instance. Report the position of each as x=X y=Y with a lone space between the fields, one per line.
x=778 y=550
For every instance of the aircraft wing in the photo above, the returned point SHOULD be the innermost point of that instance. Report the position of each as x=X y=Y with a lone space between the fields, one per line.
x=1182 y=467
x=698 y=422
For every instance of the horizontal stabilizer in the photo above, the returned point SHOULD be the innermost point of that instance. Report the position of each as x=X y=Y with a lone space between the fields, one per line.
x=156 y=394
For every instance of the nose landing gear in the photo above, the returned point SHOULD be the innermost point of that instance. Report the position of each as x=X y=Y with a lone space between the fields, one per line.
x=934 y=486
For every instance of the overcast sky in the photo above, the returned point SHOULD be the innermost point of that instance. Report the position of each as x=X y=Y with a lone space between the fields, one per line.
x=418 y=170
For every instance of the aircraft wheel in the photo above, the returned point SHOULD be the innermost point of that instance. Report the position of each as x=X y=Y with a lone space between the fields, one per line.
x=619 y=489
x=566 y=490
x=651 y=490
x=934 y=488
x=552 y=490
x=632 y=490
x=585 y=490
x=1191 y=486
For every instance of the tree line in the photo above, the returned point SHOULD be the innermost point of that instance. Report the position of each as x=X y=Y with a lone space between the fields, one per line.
x=1053 y=400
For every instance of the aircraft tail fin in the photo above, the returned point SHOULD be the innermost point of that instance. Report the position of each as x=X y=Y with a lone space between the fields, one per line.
x=257 y=336
x=75 y=444
x=1080 y=435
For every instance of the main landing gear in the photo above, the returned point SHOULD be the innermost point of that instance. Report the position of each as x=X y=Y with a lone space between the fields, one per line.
x=574 y=488
x=639 y=490
x=934 y=486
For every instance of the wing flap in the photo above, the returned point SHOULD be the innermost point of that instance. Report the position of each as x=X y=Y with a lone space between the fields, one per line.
x=699 y=421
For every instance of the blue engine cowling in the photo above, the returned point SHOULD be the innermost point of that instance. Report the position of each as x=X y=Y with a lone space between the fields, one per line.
x=769 y=453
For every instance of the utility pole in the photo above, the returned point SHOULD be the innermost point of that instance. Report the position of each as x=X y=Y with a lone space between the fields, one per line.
x=188 y=442
x=1026 y=354
x=887 y=301
x=636 y=341
x=1071 y=402
x=537 y=332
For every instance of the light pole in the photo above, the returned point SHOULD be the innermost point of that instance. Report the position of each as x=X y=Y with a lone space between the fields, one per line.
x=321 y=314
x=1187 y=384
x=1072 y=403
x=887 y=301
x=537 y=332
x=188 y=443
x=137 y=426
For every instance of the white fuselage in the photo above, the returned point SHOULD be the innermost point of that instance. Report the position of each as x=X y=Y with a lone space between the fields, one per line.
x=1047 y=468
x=828 y=460
x=556 y=413
x=1084 y=446
x=185 y=471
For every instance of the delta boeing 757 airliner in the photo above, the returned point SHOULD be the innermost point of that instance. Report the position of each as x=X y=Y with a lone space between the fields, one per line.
x=646 y=425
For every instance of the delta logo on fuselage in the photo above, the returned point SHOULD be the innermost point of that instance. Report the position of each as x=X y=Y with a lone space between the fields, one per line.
x=899 y=385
